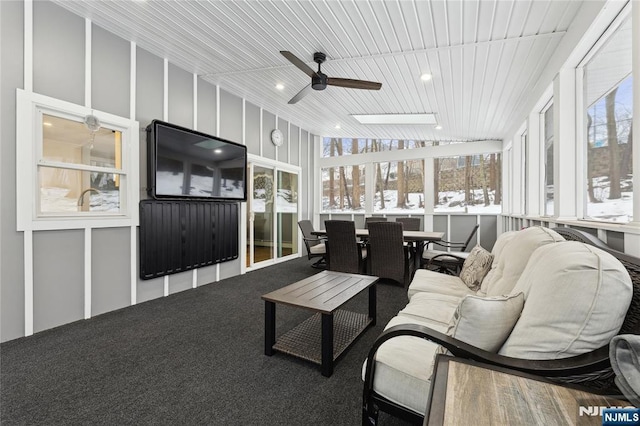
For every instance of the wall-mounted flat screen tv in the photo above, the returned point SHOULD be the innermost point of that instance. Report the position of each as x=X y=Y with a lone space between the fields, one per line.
x=184 y=163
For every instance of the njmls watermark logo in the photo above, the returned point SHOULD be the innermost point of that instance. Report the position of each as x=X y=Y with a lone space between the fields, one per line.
x=611 y=416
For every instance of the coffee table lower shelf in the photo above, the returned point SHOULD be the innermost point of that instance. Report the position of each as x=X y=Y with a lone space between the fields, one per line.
x=305 y=340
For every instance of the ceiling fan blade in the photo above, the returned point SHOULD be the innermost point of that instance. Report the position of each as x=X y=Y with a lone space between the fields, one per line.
x=353 y=84
x=301 y=94
x=298 y=63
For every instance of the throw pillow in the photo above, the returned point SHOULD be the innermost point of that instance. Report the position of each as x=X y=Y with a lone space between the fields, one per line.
x=486 y=322
x=475 y=267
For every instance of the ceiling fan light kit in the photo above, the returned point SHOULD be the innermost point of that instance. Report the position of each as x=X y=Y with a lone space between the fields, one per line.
x=320 y=81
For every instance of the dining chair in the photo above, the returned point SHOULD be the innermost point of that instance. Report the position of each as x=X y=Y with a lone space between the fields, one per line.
x=370 y=219
x=316 y=246
x=409 y=223
x=344 y=253
x=388 y=257
x=449 y=262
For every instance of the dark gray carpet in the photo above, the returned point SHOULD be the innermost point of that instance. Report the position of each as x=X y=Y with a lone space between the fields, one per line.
x=195 y=357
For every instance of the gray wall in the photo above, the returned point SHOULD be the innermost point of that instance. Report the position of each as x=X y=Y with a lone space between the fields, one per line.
x=59 y=72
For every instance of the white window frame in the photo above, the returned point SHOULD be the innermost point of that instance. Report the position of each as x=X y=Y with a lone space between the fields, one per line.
x=30 y=108
x=543 y=160
x=581 y=118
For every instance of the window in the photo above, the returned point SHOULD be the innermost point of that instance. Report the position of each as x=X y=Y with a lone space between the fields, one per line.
x=79 y=170
x=524 y=172
x=547 y=134
x=74 y=163
x=399 y=186
x=474 y=188
x=343 y=189
x=609 y=113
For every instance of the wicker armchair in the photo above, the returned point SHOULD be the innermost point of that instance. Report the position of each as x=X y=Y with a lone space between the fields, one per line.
x=409 y=223
x=315 y=245
x=388 y=256
x=344 y=253
x=371 y=219
x=447 y=262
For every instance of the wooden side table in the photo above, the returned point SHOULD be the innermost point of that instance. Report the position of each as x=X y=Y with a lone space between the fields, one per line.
x=466 y=393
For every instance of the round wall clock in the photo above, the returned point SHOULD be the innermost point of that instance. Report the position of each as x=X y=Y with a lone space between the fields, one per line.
x=277 y=137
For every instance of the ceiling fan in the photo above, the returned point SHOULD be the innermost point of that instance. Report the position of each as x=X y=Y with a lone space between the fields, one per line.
x=320 y=81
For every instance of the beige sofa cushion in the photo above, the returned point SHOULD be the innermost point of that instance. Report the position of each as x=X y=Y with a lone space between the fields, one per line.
x=432 y=307
x=404 y=366
x=435 y=282
x=576 y=298
x=498 y=246
x=513 y=258
x=486 y=322
x=475 y=267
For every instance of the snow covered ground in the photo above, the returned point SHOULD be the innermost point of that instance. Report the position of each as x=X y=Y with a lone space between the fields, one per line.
x=451 y=201
x=55 y=200
x=617 y=210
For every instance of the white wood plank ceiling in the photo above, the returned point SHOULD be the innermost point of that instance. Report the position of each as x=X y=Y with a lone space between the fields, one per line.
x=484 y=55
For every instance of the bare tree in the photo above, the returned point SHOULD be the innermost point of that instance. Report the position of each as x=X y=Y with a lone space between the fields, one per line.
x=590 y=164
x=400 y=181
x=498 y=170
x=612 y=141
x=468 y=198
x=483 y=177
x=375 y=146
x=344 y=189
x=436 y=178
x=332 y=195
x=492 y=172
x=355 y=177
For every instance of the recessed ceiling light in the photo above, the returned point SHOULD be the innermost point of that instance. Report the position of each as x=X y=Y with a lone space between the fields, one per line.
x=280 y=86
x=424 y=118
x=217 y=151
x=438 y=127
x=425 y=77
x=338 y=126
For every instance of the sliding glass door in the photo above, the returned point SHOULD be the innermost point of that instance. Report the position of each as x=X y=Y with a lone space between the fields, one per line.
x=287 y=213
x=272 y=214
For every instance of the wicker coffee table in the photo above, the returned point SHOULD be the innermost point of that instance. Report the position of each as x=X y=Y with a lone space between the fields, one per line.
x=329 y=332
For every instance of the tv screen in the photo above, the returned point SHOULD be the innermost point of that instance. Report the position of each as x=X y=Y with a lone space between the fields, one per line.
x=184 y=163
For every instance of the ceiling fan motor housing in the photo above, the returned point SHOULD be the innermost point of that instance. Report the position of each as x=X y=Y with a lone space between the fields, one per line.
x=319 y=81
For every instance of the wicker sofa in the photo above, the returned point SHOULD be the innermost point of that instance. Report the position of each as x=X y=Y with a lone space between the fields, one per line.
x=547 y=306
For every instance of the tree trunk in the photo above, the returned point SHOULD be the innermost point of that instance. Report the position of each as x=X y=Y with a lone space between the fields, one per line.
x=612 y=141
x=483 y=176
x=590 y=163
x=375 y=147
x=344 y=190
x=625 y=164
x=436 y=178
x=498 y=170
x=355 y=177
x=400 y=184
x=332 y=195
x=492 y=172
x=468 y=198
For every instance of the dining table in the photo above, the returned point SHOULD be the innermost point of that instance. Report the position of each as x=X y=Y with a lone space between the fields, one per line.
x=419 y=238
